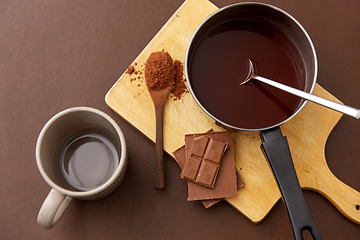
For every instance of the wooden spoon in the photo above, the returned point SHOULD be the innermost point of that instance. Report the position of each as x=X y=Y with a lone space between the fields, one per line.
x=159 y=77
x=159 y=98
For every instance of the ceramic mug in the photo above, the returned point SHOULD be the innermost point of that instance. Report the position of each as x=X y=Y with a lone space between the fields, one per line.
x=81 y=153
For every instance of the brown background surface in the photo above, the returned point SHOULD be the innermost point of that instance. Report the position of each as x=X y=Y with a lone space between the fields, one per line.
x=60 y=54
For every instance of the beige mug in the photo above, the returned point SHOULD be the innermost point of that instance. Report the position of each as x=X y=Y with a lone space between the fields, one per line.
x=80 y=153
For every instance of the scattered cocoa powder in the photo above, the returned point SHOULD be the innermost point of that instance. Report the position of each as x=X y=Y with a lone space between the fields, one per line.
x=130 y=70
x=179 y=83
x=159 y=71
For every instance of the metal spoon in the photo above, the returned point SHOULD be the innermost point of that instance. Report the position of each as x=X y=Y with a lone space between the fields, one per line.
x=322 y=101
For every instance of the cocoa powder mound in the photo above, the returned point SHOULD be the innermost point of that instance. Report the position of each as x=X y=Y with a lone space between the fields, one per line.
x=179 y=86
x=159 y=71
x=179 y=82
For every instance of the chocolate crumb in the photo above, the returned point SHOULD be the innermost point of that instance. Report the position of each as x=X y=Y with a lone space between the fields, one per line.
x=130 y=70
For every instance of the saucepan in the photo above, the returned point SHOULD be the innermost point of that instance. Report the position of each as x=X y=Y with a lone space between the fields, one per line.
x=216 y=63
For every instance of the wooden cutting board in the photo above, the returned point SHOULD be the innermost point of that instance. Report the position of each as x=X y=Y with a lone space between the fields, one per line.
x=306 y=133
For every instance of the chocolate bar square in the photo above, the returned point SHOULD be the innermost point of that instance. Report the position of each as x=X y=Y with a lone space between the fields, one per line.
x=225 y=184
x=199 y=146
x=215 y=151
x=207 y=174
x=210 y=152
x=191 y=168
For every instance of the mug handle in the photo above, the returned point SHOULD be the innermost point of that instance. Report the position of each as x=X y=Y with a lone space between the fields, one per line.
x=53 y=208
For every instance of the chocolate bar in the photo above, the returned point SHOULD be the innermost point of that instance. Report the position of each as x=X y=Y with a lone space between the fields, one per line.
x=212 y=202
x=180 y=157
x=204 y=160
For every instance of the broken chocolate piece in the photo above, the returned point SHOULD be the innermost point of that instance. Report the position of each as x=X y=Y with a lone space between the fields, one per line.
x=199 y=146
x=212 y=202
x=215 y=151
x=208 y=196
x=204 y=160
x=180 y=157
x=207 y=174
x=191 y=169
x=225 y=185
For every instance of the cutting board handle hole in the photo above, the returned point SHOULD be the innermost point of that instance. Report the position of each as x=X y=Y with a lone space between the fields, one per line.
x=357 y=207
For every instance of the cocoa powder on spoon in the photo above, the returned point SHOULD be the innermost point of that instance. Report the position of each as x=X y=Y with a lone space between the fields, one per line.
x=179 y=87
x=159 y=71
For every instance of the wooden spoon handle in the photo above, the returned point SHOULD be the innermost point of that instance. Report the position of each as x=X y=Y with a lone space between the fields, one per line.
x=159 y=149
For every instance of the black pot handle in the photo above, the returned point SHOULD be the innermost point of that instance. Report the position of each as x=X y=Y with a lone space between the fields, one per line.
x=276 y=149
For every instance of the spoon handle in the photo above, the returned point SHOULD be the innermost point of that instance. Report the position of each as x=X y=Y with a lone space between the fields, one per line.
x=159 y=148
x=322 y=101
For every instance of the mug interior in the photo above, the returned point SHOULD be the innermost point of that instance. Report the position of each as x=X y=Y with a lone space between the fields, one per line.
x=63 y=126
x=259 y=12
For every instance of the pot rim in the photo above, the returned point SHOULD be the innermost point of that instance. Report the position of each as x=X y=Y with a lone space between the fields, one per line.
x=243 y=4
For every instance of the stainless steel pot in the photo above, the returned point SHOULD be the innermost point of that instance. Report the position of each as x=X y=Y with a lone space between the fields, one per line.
x=274 y=146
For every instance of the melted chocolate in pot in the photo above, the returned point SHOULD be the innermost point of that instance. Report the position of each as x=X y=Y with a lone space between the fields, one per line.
x=219 y=63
